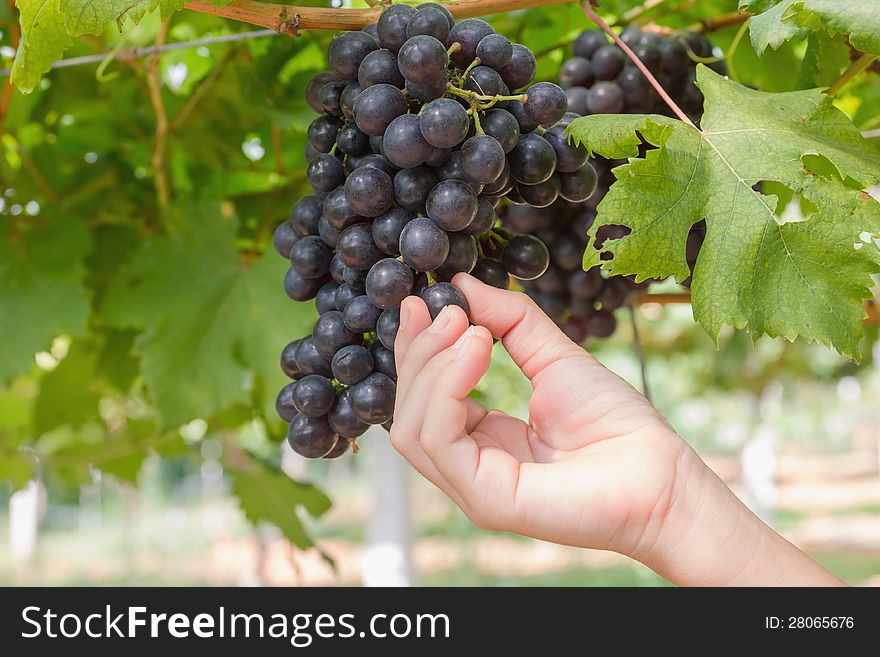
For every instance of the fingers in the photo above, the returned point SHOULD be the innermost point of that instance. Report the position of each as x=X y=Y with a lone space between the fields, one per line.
x=532 y=339
x=414 y=318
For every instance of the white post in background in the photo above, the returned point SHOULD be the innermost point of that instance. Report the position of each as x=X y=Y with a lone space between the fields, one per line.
x=26 y=510
x=759 y=458
x=387 y=559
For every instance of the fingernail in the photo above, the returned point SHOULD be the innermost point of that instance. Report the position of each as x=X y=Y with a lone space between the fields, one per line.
x=442 y=321
x=404 y=316
x=462 y=344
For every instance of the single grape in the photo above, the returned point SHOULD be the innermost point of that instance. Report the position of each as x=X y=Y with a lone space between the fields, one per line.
x=468 y=34
x=288 y=361
x=430 y=90
x=541 y=194
x=635 y=88
x=372 y=399
x=356 y=278
x=429 y=21
x=387 y=327
x=377 y=162
x=309 y=152
x=567 y=252
x=284 y=403
x=546 y=103
x=284 y=238
x=521 y=68
x=349 y=96
x=436 y=5
x=553 y=305
x=483 y=221
x=575 y=328
x=342 y=418
x=576 y=97
x=310 y=361
x=585 y=284
x=650 y=55
x=601 y=324
x=674 y=57
x=577 y=187
x=338 y=211
x=607 y=62
x=313 y=395
x=369 y=191
x=311 y=437
x=533 y=160
x=325 y=173
x=325 y=300
x=360 y=315
x=351 y=140
x=605 y=98
x=491 y=272
x=576 y=72
x=314 y=86
x=485 y=81
x=383 y=361
x=444 y=123
x=482 y=159
x=551 y=281
x=329 y=334
x=412 y=186
x=337 y=269
x=438 y=157
x=501 y=125
x=391 y=26
x=299 y=288
x=494 y=50
x=351 y=364
x=311 y=257
x=356 y=248
x=501 y=185
x=518 y=110
x=403 y=143
x=423 y=244
x=440 y=295
x=347 y=51
x=328 y=234
x=389 y=282
x=387 y=229
x=612 y=297
x=588 y=42
x=377 y=106
x=380 y=67
x=452 y=205
x=330 y=97
x=305 y=215
x=525 y=257
x=345 y=294
x=701 y=46
x=372 y=29
x=462 y=255
x=569 y=157
x=526 y=219
x=631 y=35
x=322 y=133
x=422 y=59
x=454 y=170
x=342 y=445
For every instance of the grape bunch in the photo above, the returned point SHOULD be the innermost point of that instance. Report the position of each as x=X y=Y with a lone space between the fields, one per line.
x=600 y=79
x=425 y=126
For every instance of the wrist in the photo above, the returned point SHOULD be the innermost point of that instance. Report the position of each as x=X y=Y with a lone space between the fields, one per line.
x=708 y=537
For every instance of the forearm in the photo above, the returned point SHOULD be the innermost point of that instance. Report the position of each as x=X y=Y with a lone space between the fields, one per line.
x=710 y=538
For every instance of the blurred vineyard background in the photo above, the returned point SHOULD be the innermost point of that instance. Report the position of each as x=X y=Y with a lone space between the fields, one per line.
x=140 y=324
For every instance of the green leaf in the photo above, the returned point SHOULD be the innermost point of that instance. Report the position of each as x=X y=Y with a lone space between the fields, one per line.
x=68 y=394
x=41 y=290
x=825 y=59
x=210 y=321
x=789 y=279
x=770 y=29
x=268 y=496
x=43 y=40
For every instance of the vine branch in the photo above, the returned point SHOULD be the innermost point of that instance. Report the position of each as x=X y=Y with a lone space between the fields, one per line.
x=163 y=196
x=854 y=69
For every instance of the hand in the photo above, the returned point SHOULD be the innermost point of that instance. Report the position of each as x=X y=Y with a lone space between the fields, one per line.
x=596 y=466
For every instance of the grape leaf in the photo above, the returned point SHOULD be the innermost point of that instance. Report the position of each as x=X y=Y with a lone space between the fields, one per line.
x=790 y=279
x=68 y=394
x=92 y=16
x=210 y=320
x=825 y=59
x=43 y=40
x=790 y=19
x=41 y=290
x=267 y=496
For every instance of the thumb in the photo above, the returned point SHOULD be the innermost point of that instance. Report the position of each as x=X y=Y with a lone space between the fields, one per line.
x=529 y=336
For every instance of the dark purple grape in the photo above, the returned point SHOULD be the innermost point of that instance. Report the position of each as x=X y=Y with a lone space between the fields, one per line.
x=585 y=284
x=577 y=187
x=673 y=55
x=380 y=67
x=423 y=244
x=347 y=51
x=491 y=272
x=377 y=106
x=322 y=133
x=412 y=186
x=452 y=205
x=299 y=288
x=330 y=97
x=605 y=98
x=311 y=437
x=389 y=282
x=342 y=418
x=310 y=360
x=429 y=21
x=351 y=140
x=576 y=97
x=518 y=111
x=551 y=281
x=701 y=46
x=482 y=159
x=440 y=295
x=520 y=69
x=387 y=229
x=468 y=34
x=525 y=257
x=325 y=173
x=613 y=295
x=329 y=334
x=607 y=62
x=403 y=143
x=526 y=219
x=453 y=170
x=601 y=324
x=588 y=42
x=328 y=234
x=288 y=361
x=503 y=126
x=345 y=294
x=635 y=88
x=372 y=29
x=569 y=157
x=356 y=248
x=483 y=221
x=351 y=364
x=542 y=194
x=438 y=157
x=567 y=252
x=342 y=445
x=383 y=361
x=392 y=26
x=284 y=403
x=325 y=300
x=485 y=81
x=360 y=315
x=387 y=327
x=575 y=328
x=444 y=123
x=436 y=5
x=501 y=185
x=546 y=103
x=576 y=72
x=284 y=238
x=337 y=270
x=372 y=399
x=356 y=278
x=313 y=88
x=422 y=59
x=631 y=35
x=346 y=100
x=429 y=90
x=369 y=191
x=338 y=211
x=533 y=160
x=650 y=55
x=462 y=255
x=494 y=50
x=377 y=162
x=305 y=215
x=313 y=395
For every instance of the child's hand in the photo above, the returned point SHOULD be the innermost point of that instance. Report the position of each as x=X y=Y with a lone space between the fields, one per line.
x=596 y=466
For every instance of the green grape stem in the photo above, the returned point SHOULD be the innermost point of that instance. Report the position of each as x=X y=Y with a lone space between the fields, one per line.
x=481 y=101
x=470 y=67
